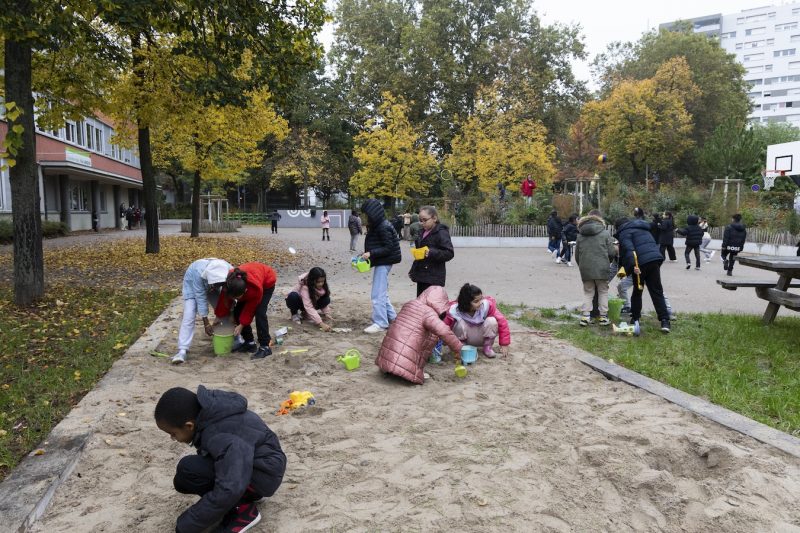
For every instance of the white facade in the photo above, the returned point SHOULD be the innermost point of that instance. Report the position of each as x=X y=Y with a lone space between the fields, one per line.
x=766 y=41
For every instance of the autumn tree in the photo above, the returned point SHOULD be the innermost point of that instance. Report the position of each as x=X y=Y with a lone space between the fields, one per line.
x=731 y=151
x=392 y=159
x=645 y=122
x=50 y=48
x=497 y=144
x=304 y=160
x=577 y=154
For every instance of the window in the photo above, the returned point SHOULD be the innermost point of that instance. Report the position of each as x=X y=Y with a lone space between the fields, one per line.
x=728 y=35
x=786 y=26
x=756 y=31
x=80 y=138
x=739 y=46
x=740 y=20
x=69 y=131
x=794 y=65
x=795 y=38
x=89 y=136
x=756 y=18
x=754 y=57
x=771 y=14
x=767 y=68
x=98 y=140
x=102 y=194
x=770 y=42
x=79 y=196
x=754 y=95
x=767 y=107
x=753 y=83
x=755 y=70
x=787 y=52
x=796 y=11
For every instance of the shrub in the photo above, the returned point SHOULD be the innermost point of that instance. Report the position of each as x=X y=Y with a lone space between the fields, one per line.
x=50 y=229
x=6 y=231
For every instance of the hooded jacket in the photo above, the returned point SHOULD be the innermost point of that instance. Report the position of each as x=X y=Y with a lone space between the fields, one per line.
x=354 y=224
x=635 y=236
x=410 y=339
x=242 y=448
x=666 y=232
x=259 y=278
x=692 y=231
x=570 y=232
x=432 y=269
x=554 y=227
x=734 y=237
x=381 y=241
x=199 y=278
x=594 y=250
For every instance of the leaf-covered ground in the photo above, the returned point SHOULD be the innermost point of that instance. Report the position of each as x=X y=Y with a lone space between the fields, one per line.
x=99 y=299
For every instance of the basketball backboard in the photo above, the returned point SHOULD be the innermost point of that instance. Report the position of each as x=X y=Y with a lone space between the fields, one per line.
x=783 y=159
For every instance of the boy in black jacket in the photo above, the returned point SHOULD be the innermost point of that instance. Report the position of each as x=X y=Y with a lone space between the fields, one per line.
x=694 y=237
x=733 y=242
x=239 y=459
x=569 y=237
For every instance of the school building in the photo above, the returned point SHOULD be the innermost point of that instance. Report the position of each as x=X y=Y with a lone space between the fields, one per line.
x=80 y=171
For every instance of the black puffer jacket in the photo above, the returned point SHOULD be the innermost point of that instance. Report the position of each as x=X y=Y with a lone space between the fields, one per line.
x=241 y=445
x=734 y=237
x=440 y=250
x=666 y=234
x=570 y=233
x=692 y=231
x=354 y=224
x=635 y=236
x=381 y=241
x=554 y=228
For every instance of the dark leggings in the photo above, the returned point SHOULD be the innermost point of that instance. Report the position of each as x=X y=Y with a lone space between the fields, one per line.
x=274 y=226
x=651 y=277
x=262 y=323
x=295 y=302
x=195 y=475
x=326 y=233
x=668 y=248
x=689 y=248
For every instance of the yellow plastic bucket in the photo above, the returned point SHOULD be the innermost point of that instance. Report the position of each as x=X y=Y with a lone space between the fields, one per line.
x=419 y=253
x=361 y=264
x=222 y=343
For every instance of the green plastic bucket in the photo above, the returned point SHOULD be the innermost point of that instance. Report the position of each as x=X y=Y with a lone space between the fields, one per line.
x=614 y=309
x=222 y=344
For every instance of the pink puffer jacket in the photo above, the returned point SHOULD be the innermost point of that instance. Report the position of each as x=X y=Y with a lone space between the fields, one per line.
x=410 y=339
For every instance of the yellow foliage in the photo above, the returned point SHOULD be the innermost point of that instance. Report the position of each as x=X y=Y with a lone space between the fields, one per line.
x=392 y=158
x=496 y=144
x=646 y=121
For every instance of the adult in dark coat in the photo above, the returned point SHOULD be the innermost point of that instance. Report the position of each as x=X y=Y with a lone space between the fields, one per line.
x=382 y=248
x=655 y=227
x=635 y=238
x=666 y=236
x=694 y=237
x=554 y=229
x=733 y=240
x=431 y=269
x=239 y=459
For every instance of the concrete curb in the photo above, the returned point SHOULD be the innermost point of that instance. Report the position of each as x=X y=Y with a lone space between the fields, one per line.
x=742 y=424
x=28 y=491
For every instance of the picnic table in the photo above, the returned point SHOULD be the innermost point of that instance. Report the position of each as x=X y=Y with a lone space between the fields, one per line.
x=773 y=291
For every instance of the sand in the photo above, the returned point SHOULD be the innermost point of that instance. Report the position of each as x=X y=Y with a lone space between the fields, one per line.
x=534 y=442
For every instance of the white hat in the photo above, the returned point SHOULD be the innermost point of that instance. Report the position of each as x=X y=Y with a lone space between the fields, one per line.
x=216 y=271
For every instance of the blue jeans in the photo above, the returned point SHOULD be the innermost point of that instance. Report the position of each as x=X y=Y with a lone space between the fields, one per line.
x=382 y=310
x=554 y=245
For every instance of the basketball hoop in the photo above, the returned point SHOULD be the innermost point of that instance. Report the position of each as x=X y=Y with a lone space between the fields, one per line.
x=770 y=176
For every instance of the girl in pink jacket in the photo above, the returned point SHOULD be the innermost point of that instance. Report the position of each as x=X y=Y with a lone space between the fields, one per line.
x=311 y=298
x=326 y=225
x=477 y=321
x=411 y=337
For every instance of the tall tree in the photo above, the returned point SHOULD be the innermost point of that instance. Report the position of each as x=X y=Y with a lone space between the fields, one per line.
x=393 y=161
x=645 y=123
x=731 y=151
x=40 y=31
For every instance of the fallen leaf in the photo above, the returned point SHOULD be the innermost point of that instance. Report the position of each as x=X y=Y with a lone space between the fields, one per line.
x=119 y=345
x=38 y=451
x=122 y=414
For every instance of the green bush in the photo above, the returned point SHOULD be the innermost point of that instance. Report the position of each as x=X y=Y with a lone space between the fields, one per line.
x=6 y=230
x=50 y=229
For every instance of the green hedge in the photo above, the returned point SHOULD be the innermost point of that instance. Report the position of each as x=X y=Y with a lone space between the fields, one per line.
x=49 y=229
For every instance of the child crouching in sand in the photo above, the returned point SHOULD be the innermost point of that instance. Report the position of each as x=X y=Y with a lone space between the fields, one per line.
x=239 y=459
x=477 y=321
x=311 y=298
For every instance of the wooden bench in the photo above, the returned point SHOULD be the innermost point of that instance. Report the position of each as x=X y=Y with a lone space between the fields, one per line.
x=732 y=285
x=777 y=296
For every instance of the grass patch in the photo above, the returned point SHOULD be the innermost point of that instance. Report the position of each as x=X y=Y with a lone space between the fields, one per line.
x=53 y=354
x=730 y=360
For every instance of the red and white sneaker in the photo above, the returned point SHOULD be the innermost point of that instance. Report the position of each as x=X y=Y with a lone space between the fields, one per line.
x=241 y=518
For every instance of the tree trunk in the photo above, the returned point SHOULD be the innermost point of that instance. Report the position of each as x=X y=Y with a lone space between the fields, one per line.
x=149 y=190
x=28 y=258
x=196 y=205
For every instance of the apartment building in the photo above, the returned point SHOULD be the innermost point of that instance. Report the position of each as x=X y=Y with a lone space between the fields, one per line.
x=80 y=172
x=766 y=41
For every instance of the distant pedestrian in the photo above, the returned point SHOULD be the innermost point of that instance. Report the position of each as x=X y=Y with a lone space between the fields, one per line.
x=415 y=229
x=274 y=217
x=733 y=242
x=568 y=240
x=129 y=217
x=709 y=253
x=666 y=236
x=397 y=224
x=325 y=220
x=406 y=225
x=526 y=188
x=554 y=230
x=95 y=221
x=354 y=225
x=694 y=237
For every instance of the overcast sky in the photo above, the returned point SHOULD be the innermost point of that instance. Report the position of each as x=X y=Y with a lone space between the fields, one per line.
x=607 y=21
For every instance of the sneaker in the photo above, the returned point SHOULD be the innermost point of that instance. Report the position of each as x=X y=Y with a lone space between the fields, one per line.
x=296 y=318
x=374 y=328
x=625 y=310
x=665 y=326
x=585 y=320
x=688 y=266
x=245 y=347
x=179 y=358
x=697 y=268
x=730 y=272
x=724 y=264
x=262 y=352
x=711 y=255
x=603 y=320
x=251 y=496
x=558 y=260
x=241 y=518
x=569 y=263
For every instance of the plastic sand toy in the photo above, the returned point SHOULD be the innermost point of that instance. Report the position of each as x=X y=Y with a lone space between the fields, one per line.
x=296 y=400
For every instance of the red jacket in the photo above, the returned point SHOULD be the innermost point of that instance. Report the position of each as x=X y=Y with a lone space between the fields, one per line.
x=503 y=332
x=410 y=339
x=259 y=277
x=528 y=186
